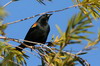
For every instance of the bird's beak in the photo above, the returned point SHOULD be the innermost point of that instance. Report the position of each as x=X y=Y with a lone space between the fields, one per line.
x=49 y=15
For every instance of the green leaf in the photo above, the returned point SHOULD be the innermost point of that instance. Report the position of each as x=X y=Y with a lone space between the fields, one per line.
x=4 y=26
x=2 y=13
x=59 y=30
x=68 y=30
x=92 y=6
x=83 y=31
x=93 y=43
x=78 y=24
x=85 y=22
x=75 y=37
x=85 y=27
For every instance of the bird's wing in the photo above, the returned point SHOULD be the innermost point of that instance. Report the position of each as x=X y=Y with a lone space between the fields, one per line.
x=32 y=29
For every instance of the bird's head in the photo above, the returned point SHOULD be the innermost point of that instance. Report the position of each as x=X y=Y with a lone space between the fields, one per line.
x=44 y=18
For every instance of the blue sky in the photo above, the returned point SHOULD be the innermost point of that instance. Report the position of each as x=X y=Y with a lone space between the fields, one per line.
x=26 y=8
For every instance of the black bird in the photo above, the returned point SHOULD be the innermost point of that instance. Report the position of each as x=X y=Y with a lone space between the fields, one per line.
x=38 y=32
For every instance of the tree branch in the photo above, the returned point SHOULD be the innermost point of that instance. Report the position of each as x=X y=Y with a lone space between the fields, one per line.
x=7 y=3
x=42 y=14
x=19 y=41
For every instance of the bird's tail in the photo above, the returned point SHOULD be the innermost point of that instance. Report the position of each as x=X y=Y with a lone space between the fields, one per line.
x=20 y=47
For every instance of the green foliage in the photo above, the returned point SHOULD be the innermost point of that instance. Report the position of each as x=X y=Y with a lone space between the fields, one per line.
x=92 y=6
x=10 y=57
x=2 y=28
x=77 y=25
x=60 y=59
x=92 y=43
x=2 y=13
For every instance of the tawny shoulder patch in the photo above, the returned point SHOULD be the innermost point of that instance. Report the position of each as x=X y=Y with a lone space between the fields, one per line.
x=34 y=25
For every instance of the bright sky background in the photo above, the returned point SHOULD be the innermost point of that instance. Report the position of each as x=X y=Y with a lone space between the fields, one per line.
x=26 y=8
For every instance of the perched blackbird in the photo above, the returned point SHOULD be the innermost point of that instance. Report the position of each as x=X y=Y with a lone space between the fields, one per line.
x=38 y=32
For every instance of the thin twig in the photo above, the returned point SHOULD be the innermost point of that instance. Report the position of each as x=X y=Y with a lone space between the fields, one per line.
x=18 y=40
x=81 y=60
x=7 y=3
x=42 y=14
